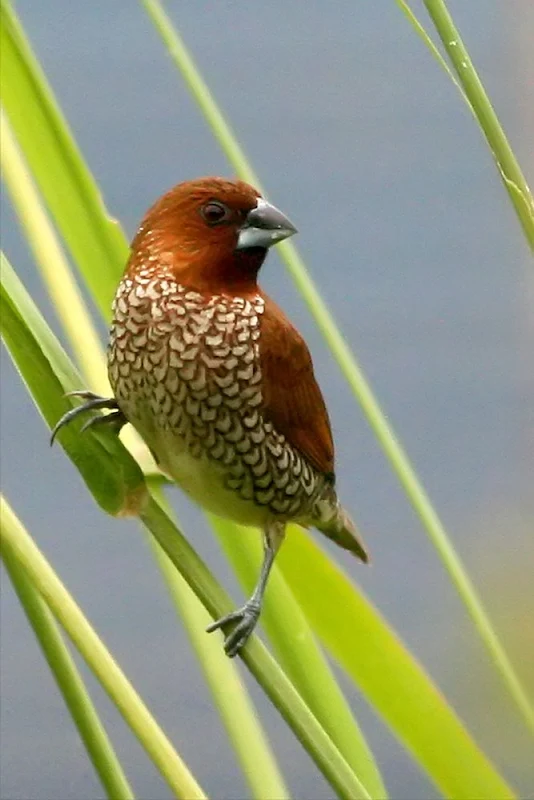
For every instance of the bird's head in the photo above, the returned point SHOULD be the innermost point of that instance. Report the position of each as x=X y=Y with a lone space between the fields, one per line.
x=212 y=233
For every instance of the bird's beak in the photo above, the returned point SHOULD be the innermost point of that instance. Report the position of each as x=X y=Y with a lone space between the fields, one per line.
x=264 y=226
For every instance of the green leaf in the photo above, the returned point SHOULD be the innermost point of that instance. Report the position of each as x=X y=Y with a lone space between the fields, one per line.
x=356 y=635
x=70 y=683
x=298 y=652
x=50 y=258
x=233 y=702
x=55 y=161
x=18 y=544
x=507 y=164
x=110 y=473
x=271 y=678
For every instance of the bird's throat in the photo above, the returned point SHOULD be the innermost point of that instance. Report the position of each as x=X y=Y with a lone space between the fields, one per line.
x=233 y=274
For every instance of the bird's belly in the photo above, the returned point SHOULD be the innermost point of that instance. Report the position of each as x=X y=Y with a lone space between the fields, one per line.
x=265 y=481
x=204 y=481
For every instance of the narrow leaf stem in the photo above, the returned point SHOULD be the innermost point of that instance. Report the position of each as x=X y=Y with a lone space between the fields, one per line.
x=235 y=708
x=57 y=166
x=423 y=35
x=507 y=164
x=19 y=545
x=299 y=653
x=261 y=664
x=230 y=695
x=92 y=732
x=48 y=253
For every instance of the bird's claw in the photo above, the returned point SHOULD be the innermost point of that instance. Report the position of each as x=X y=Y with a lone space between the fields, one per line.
x=85 y=394
x=92 y=402
x=115 y=417
x=246 y=619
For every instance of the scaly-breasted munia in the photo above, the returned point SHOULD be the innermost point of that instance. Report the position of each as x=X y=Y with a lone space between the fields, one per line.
x=214 y=377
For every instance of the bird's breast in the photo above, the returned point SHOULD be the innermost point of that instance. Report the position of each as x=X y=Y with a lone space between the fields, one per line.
x=186 y=371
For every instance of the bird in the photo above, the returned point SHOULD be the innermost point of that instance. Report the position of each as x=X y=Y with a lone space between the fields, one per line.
x=216 y=379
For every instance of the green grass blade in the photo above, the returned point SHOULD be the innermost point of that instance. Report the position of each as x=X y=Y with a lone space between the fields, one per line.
x=200 y=92
x=92 y=733
x=47 y=252
x=372 y=655
x=230 y=696
x=472 y=90
x=55 y=161
x=235 y=708
x=62 y=288
x=423 y=35
x=391 y=679
x=297 y=650
x=271 y=678
x=507 y=164
x=111 y=475
x=353 y=373
x=17 y=543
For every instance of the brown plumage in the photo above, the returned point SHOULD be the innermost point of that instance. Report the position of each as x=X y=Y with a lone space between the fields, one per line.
x=216 y=379
x=291 y=397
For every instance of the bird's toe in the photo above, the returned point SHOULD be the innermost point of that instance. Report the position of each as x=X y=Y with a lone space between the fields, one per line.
x=245 y=619
x=93 y=402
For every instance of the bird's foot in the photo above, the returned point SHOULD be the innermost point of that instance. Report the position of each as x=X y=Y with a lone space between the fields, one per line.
x=93 y=402
x=245 y=619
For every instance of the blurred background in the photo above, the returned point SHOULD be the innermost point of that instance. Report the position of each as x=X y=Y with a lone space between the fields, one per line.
x=363 y=141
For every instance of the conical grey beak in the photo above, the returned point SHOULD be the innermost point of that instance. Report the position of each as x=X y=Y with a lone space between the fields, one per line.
x=264 y=226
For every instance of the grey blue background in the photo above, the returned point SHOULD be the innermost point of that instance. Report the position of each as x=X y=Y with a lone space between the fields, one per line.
x=363 y=141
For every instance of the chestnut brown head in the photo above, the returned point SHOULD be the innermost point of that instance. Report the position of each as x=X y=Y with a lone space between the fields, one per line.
x=214 y=233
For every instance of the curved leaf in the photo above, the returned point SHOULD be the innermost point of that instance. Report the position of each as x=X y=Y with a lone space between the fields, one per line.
x=299 y=653
x=67 y=185
x=361 y=641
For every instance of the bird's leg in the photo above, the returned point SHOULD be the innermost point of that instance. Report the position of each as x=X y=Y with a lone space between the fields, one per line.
x=247 y=616
x=92 y=402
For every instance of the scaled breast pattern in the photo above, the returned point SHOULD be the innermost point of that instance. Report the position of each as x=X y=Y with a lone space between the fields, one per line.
x=190 y=366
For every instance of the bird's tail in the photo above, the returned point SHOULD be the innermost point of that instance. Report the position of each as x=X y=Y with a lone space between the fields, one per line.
x=341 y=529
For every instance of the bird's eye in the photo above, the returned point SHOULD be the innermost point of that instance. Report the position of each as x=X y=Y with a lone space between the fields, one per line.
x=214 y=212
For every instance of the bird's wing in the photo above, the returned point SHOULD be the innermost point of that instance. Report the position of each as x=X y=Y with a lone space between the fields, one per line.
x=292 y=399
